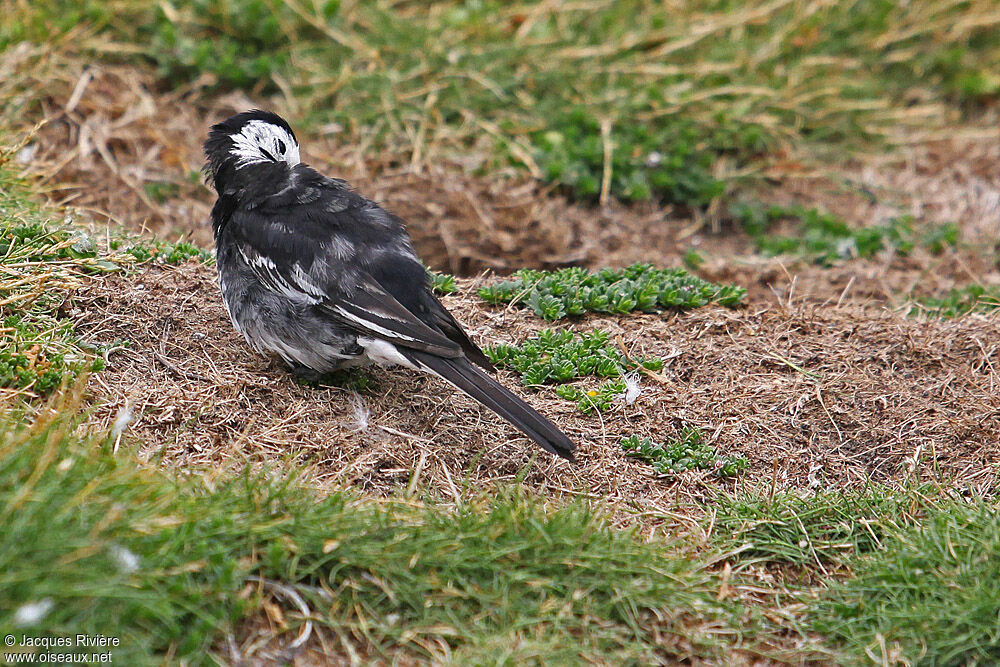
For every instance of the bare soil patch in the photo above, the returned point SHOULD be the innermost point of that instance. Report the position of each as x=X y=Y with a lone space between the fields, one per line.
x=813 y=396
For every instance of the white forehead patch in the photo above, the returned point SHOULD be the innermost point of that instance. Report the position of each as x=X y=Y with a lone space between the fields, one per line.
x=258 y=139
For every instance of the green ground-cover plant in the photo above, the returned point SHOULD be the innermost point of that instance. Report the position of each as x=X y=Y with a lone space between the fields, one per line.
x=670 y=159
x=40 y=262
x=241 y=43
x=161 y=191
x=443 y=283
x=690 y=96
x=89 y=543
x=937 y=238
x=688 y=451
x=824 y=238
x=44 y=255
x=41 y=243
x=38 y=361
x=161 y=252
x=35 y=240
x=598 y=398
x=559 y=357
x=575 y=291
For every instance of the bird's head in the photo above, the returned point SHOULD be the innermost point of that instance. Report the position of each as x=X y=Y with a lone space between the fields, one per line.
x=250 y=138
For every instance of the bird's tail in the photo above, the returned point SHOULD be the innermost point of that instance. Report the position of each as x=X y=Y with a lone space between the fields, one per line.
x=480 y=386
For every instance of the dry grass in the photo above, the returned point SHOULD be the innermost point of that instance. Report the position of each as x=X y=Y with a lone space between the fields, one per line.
x=813 y=396
x=104 y=127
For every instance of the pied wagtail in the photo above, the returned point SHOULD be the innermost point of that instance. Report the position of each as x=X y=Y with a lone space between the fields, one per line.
x=326 y=279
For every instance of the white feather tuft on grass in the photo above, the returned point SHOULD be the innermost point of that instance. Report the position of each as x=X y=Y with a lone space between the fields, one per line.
x=361 y=412
x=32 y=613
x=122 y=420
x=632 y=388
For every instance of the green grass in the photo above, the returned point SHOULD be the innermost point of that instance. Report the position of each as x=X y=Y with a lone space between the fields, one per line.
x=890 y=576
x=824 y=238
x=824 y=528
x=686 y=452
x=574 y=291
x=40 y=263
x=625 y=96
x=959 y=301
x=167 y=565
x=927 y=596
x=559 y=357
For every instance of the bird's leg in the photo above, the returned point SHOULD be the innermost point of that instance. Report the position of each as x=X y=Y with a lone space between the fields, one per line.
x=305 y=373
x=345 y=377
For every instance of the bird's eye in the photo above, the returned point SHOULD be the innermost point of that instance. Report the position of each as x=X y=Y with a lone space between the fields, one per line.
x=281 y=146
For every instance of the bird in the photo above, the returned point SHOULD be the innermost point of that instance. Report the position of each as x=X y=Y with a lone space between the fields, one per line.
x=326 y=279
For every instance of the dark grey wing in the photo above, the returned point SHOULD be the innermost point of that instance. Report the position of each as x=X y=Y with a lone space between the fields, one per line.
x=369 y=309
x=360 y=304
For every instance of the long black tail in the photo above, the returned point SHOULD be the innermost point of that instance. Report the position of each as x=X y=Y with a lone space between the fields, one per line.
x=480 y=386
